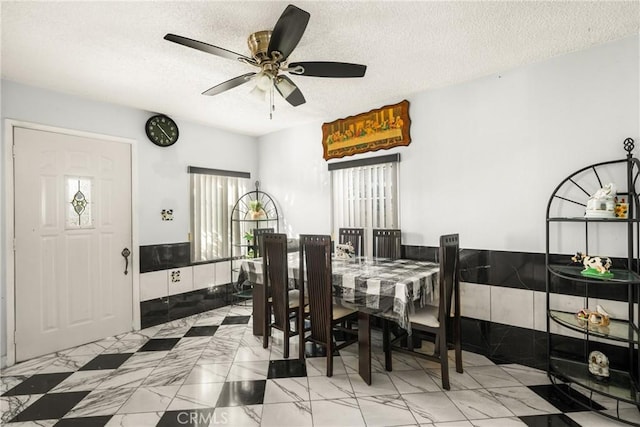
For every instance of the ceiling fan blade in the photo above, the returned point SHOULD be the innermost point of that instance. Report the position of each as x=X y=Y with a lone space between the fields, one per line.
x=205 y=47
x=289 y=91
x=328 y=69
x=229 y=84
x=288 y=31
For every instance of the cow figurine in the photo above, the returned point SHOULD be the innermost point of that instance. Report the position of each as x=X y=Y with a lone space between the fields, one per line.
x=598 y=263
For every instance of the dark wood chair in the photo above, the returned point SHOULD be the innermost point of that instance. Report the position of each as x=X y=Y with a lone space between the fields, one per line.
x=436 y=320
x=355 y=236
x=387 y=243
x=257 y=237
x=277 y=299
x=324 y=316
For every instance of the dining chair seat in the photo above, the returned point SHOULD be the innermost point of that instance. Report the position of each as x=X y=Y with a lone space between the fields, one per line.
x=427 y=316
x=294 y=299
x=340 y=312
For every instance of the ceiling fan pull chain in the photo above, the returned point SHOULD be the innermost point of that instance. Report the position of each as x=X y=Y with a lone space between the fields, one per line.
x=272 y=107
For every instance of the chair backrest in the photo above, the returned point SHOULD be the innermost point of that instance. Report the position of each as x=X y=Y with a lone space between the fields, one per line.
x=276 y=277
x=257 y=239
x=449 y=275
x=387 y=243
x=355 y=236
x=315 y=272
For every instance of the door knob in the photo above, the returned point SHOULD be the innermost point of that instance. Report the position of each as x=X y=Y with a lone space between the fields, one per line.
x=125 y=253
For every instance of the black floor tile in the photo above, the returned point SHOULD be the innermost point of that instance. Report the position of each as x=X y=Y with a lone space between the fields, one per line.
x=190 y=417
x=51 y=406
x=38 y=384
x=287 y=369
x=551 y=420
x=551 y=394
x=160 y=344
x=236 y=320
x=315 y=350
x=240 y=393
x=84 y=421
x=106 y=361
x=201 y=331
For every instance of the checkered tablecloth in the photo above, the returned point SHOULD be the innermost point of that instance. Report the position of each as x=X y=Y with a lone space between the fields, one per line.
x=378 y=285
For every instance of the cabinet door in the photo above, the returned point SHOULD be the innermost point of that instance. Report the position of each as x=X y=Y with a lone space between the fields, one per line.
x=179 y=280
x=153 y=285
x=204 y=276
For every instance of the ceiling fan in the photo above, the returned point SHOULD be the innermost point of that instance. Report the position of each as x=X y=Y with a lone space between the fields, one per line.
x=269 y=52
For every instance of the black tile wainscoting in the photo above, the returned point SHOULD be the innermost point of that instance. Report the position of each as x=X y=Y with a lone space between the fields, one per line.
x=504 y=343
x=164 y=256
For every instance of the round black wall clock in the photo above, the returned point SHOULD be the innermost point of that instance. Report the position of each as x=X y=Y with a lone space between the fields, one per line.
x=162 y=130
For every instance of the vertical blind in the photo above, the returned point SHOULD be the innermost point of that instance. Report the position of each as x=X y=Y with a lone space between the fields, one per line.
x=212 y=198
x=365 y=197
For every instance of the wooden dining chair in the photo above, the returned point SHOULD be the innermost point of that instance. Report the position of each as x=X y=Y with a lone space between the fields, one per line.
x=387 y=243
x=278 y=299
x=324 y=316
x=257 y=237
x=439 y=320
x=355 y=236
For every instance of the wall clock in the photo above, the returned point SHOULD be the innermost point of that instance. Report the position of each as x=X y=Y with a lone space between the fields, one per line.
x=162 y=130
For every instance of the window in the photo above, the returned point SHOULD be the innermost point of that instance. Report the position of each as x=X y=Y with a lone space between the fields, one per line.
x=365 y=195
x=213 y=194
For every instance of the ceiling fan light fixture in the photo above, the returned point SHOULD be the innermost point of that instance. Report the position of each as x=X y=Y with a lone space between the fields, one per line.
x=258 y=93
x=263 y=81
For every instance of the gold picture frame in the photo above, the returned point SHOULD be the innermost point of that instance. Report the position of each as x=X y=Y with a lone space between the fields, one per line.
x=378 y=129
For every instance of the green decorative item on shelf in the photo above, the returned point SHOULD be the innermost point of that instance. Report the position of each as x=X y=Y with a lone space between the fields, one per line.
x=248 y=236
x=256 y=209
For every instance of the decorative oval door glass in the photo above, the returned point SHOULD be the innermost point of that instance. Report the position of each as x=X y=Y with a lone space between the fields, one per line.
x=79 y=213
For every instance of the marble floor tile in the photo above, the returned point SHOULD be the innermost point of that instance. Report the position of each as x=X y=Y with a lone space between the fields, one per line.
x=475 y=404
x=379 y=411
x=417 y=381
x=196 y=396
x=335 y=387
x=292 y=414
x=10 y=406
x=125 y=378
x=65 y=363
x=134 y=420
x=50 y=406
x=526 y=375
x=381 y=384
x=101 y=402
x=337 y=413
x=146 y=359
x=212 y=373
x=457 y=381
x=248 y=371
x=239 y=393
x=286 y=390
x=237 y=416
x=253 y=353
x=492 y=376
x=83 y=381
x=434 y=407
x=522 y=401
x=499 y=422
x=149 y=399
x=317 y=366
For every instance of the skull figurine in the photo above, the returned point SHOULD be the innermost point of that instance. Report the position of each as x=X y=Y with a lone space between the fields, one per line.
x=599 y=365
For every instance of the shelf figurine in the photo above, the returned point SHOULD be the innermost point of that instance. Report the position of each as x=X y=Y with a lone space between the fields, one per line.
x=594 y=266
x=602 y=203
x=599 y=365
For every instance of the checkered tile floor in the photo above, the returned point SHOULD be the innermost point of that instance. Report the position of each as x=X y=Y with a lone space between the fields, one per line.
x=209 y=370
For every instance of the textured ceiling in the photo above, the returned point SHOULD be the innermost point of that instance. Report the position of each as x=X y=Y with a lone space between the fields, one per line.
x=115 y=51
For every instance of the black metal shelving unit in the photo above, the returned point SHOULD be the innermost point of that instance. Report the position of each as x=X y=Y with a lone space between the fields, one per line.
x=565 y=365
x=243 y=220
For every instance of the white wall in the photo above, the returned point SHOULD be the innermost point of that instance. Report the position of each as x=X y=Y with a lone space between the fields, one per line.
x=485 y=155
x=163 y=182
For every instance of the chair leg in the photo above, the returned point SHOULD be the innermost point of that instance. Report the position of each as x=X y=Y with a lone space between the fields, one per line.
x=386 y=346
x=329 y=349
x=266 y=326
x=285 y=333
x=444 y=359
x=457 y=345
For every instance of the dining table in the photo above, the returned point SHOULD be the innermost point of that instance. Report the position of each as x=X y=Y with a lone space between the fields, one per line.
x=389 y=288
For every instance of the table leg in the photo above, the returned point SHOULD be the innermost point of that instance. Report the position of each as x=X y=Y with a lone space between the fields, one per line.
x=364 y=346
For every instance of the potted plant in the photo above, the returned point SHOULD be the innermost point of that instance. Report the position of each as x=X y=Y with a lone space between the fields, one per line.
x=256 y=209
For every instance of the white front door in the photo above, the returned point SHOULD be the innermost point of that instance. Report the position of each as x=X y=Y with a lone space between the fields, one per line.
x=72 y=221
